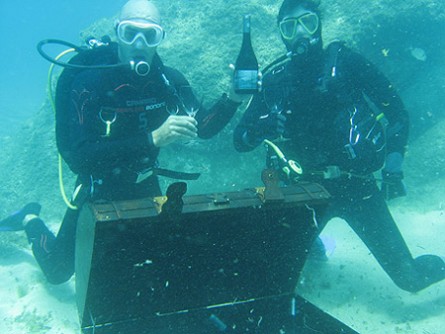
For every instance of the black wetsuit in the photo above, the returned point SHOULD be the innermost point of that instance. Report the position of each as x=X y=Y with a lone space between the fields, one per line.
x=104 y=124
x=330 y=112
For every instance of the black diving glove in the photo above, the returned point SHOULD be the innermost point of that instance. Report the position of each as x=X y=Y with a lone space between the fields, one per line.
x=392 y=177
x=392 y=185
x=269 y=126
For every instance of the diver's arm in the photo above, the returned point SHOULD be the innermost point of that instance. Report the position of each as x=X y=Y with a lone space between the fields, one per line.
x=214 y=120
x=385 y=97
x=246 y=135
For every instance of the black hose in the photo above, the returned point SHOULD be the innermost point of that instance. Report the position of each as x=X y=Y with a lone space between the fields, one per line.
x=77 y=48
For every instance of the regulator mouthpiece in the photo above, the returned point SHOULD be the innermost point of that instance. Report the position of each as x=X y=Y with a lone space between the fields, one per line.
x=141 y=67
x=301 y=47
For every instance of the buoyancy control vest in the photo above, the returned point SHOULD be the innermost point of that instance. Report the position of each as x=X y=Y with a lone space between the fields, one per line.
x=366 y=146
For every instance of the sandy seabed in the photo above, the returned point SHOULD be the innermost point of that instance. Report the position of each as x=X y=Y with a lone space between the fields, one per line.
x=354 y=288
x=350 y=285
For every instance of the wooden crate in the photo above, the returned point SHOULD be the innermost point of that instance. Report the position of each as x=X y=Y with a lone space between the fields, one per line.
x=222 y=256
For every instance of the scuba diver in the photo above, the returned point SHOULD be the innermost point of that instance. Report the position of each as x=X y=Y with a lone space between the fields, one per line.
x=116 y=106
x=335 y=113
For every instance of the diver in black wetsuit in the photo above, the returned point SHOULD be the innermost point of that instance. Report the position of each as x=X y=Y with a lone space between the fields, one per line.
x=110 y=126
x=342 y=120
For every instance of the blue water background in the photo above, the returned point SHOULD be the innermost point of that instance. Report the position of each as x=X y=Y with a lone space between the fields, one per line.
x=24 y=73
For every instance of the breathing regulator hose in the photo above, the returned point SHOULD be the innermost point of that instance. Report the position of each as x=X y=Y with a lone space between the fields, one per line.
x=289 y=167
x=53 y=105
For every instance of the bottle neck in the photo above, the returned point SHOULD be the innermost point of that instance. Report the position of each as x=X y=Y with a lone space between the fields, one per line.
x=246 y=25
x=247 y=43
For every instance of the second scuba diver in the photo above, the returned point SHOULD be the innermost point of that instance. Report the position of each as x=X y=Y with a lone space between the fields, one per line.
x=342 y=120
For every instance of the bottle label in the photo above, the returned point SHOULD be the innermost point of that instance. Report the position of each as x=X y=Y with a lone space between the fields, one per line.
x=246 y=80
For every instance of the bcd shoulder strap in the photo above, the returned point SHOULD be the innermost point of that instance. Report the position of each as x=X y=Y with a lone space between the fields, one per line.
x=330 y=71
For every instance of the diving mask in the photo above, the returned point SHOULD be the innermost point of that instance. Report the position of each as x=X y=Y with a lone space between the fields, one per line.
x=289 y=26
x=129 y=31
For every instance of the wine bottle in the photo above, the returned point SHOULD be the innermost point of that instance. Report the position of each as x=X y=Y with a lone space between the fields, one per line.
x=245 y=80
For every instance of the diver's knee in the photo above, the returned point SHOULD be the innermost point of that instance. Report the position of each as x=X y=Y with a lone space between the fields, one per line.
x=409 y=285
x=60 y=277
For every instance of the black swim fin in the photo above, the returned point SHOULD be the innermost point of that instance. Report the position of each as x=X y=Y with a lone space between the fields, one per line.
x=15 y=221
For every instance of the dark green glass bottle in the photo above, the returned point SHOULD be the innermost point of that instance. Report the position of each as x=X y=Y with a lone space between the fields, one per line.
x=245 y=78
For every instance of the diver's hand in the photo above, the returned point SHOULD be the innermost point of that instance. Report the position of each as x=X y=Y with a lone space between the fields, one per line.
x=392 y=185
x=242 y=97
x=270 y=126
x=175 y=128
x=392 y=177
